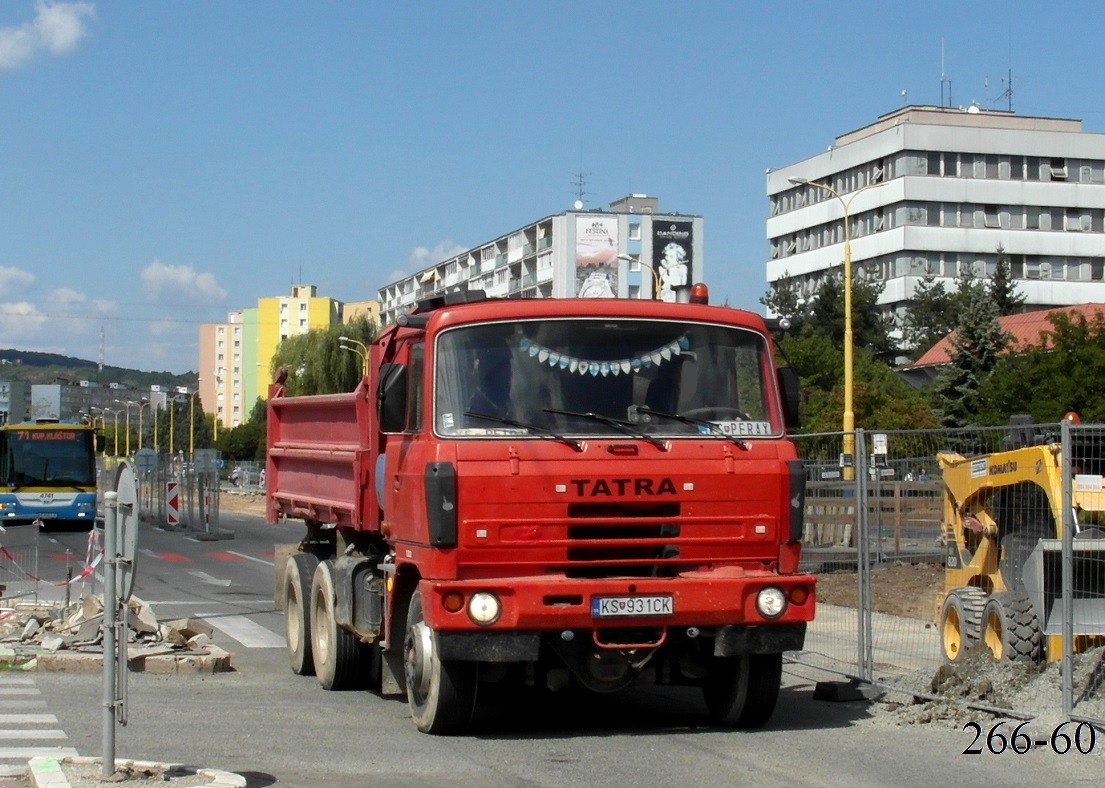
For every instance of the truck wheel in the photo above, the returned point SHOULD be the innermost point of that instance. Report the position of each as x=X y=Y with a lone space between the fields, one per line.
x=441 y=694
x=297 y=611
x=340 y=659
x=741 y=691
x=961 y=621
x=1010 y=628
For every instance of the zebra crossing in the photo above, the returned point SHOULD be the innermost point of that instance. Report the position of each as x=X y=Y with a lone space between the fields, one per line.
x=27 y=729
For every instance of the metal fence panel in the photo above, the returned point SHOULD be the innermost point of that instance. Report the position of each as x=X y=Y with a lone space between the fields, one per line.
x=1081 y=601
x=981 y=524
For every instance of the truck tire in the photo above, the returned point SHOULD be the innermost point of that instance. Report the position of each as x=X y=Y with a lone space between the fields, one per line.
x=741 y=691
x=341 y=660
x=961 y=621
x=441 y=694
x=297 y=611
x=1010 y=628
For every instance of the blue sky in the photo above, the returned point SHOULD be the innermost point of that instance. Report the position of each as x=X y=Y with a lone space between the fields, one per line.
x=164 y=163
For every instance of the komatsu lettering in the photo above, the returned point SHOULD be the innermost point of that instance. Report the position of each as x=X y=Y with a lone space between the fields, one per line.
x=599 y=487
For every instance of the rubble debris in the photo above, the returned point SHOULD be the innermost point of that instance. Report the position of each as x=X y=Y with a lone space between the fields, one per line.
x=40 y=637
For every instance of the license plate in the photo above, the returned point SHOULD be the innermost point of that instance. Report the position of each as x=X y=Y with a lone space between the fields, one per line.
x=611 y=606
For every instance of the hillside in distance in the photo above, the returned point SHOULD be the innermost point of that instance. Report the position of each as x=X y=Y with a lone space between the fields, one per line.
x=33 y=367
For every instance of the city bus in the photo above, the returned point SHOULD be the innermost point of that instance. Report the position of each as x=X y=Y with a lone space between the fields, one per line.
x=48 y=474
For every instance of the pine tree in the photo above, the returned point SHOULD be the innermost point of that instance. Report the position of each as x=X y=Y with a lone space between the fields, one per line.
x=976 y=345
x=785 y=300
x=930 y=316
x=1003 y=289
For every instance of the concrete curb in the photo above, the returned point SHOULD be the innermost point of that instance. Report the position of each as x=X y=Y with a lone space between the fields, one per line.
x=47 y=772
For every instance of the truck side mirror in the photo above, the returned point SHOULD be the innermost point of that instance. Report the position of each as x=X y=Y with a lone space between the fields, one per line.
x=391 y=397
x=792 y=397
x=99 y=441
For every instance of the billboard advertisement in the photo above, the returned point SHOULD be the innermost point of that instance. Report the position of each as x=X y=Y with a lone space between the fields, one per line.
x=597 y=256
x=671 y=255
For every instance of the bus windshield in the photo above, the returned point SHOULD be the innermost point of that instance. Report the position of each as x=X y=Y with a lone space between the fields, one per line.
x=608 y=376
x=58 y=456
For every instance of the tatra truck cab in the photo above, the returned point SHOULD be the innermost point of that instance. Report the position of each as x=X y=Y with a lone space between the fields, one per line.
x=554 y=492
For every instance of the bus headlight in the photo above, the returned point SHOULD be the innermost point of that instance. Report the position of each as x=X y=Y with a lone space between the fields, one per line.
x=771 y=602
x=484 y=608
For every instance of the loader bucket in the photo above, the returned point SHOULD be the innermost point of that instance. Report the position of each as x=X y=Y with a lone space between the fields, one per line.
x=1042 y=575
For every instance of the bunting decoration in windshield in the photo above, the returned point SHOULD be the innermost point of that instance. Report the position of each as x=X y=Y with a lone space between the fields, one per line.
x=595 y=367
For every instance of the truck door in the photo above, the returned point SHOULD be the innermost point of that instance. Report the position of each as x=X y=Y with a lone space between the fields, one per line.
x=405 y=455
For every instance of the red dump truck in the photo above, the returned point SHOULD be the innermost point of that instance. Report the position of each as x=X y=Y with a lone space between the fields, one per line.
x=552 y=492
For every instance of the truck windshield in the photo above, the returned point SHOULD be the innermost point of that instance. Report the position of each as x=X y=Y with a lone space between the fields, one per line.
x=576 y=376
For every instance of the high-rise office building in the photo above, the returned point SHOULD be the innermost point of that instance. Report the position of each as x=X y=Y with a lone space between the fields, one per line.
x=941 y=190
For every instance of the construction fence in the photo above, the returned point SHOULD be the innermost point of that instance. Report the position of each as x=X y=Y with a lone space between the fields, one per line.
x=1013 y=536
x=172 y=494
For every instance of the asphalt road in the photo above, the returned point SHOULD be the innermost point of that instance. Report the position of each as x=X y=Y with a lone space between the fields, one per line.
x=280 y=729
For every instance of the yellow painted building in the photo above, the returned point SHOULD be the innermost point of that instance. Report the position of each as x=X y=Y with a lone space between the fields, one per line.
x=235 y=357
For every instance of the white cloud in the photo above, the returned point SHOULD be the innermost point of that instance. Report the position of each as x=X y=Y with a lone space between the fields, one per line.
x=422 y=257
x=20 y=320
x=14 y=277
x=179 y=283
x=57 y=28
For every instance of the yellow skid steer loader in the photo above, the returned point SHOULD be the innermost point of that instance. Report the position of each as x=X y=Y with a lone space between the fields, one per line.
x=1002 y=527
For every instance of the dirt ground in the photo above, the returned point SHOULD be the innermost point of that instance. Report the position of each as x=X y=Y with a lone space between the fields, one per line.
x=243 y=502
x=910 y=590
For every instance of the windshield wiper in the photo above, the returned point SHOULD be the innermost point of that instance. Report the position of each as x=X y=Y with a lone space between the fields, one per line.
x=543 y=432
x=714 y=428
x=622 y=426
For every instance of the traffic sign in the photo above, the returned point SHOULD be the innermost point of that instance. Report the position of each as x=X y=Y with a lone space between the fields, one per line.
x=127 y=524
x=172 y=503
x=145 y=460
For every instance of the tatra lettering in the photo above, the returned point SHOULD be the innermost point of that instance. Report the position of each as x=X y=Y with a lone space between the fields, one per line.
x=594 y=488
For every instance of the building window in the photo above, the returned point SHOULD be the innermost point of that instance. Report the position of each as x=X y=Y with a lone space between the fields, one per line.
x=1058 y=169
x=990 y=216
x=635 y=231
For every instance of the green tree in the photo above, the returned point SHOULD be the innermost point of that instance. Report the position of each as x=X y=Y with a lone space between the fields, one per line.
x=1063 y=370
x=785 y=300
x=247 y=440
x=1003 y=288
x=871 y=329
x=879 y=397
x=316 y=362
x=976 y=345
x=930 y=315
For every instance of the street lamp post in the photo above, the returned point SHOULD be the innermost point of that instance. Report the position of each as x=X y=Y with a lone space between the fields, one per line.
x=192 y=425
x=116 y=414
x=655 y=277
x=849 y=411
x=359 y=348
x=103 y=424
x=141 y=405
x=126 y=404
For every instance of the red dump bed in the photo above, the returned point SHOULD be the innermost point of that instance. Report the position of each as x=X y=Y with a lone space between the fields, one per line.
x=320 y=458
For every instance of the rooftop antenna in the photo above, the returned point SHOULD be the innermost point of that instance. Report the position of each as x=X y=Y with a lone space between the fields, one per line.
x=579 y=182
x=944 y=79
x=1007 y=94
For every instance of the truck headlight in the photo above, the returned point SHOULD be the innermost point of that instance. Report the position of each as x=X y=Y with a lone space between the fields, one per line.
x=771 y=602
x=484 y=608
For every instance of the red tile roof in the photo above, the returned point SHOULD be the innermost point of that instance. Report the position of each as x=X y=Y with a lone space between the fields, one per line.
x=1025 y=328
